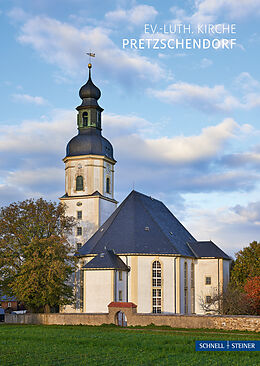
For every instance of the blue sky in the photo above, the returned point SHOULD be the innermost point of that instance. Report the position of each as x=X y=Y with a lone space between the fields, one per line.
x=184 y=123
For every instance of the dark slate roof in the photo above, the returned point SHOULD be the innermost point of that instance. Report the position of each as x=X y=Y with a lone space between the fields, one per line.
x=106 y=260
x=203 y=249
x=89 y=90
x=141 y=224
x=89 y=142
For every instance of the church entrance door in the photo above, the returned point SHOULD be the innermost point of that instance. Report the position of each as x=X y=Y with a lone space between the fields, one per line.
x=121 y=320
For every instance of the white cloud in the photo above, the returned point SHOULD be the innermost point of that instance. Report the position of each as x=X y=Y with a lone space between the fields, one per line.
x=246 y=81
x=233 y=8
x=34 y=137
x=32 y=167
x=251 y=100
x=25 y=98
x=194 y=148
x=205 y=62
x=137 y=15
x=179 y=149
x=31 y=159
x=37 y=177
x=200 y=97
x=205 y=98
x=127 y=132
x=249 y=213
x=9 y=193
x=208 y=11
x=118 y=125
x=243 y=159
x=17 y=15
x=235 y=225
x=64 y=45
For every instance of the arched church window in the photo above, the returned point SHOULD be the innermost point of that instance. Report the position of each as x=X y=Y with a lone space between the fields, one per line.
x=85 y=119
x=157 y=287
x=79 y=183
x=108 y=185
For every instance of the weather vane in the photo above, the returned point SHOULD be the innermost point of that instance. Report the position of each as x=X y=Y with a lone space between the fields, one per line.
x=90 y=54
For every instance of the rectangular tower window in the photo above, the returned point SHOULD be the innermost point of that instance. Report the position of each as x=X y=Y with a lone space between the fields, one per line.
x=79 y=230
x=79 y=215
x=208 y=281
x=120 y=296
x=79 y=245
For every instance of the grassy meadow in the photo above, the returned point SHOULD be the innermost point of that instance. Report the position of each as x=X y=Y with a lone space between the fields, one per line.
x=109 y=345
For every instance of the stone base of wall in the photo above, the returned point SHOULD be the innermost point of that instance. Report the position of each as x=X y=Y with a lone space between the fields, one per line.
x=227 y=322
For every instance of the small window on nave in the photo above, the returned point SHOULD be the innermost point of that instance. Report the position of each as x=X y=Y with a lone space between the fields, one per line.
x=79 y=183
x=120 y=295
x=120 y=275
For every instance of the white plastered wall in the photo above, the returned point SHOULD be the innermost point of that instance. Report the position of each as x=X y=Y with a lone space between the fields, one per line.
x=121 y=285
x=182 y=305
x=106 y=208
x=140 y=276
x=208 y=267
x=99 y=290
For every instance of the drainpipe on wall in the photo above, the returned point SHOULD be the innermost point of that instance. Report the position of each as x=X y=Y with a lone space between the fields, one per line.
x=127 y=273
x=218 y=289
x=174 y=284
x=115 y=284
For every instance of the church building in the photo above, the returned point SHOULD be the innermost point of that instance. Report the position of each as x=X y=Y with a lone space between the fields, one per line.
x=138 y=252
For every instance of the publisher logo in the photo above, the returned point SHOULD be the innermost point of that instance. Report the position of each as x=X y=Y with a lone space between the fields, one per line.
x=227 y=345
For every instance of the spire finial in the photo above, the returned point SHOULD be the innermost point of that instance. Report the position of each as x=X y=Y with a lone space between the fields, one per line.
x=89 y=70
x=90 y=54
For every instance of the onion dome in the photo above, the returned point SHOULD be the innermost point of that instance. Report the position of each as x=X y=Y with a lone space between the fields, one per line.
x=89 y=90
x=89 y=142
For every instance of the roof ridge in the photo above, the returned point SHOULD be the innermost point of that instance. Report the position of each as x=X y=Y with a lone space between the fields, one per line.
x=192 y=250
x=118 y=209
x=158 y=224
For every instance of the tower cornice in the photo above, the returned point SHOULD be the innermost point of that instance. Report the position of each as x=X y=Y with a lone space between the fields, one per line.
x=89 y=156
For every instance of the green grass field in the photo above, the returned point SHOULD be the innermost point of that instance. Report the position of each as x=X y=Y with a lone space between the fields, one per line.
x=108 y=345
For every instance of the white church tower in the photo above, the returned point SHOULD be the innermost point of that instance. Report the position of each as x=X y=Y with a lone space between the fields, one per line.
x=89 y=169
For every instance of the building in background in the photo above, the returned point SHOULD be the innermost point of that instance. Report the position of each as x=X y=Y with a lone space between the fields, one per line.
x=9 y=303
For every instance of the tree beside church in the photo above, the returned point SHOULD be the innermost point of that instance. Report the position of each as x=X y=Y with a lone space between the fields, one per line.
x=36 y=259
